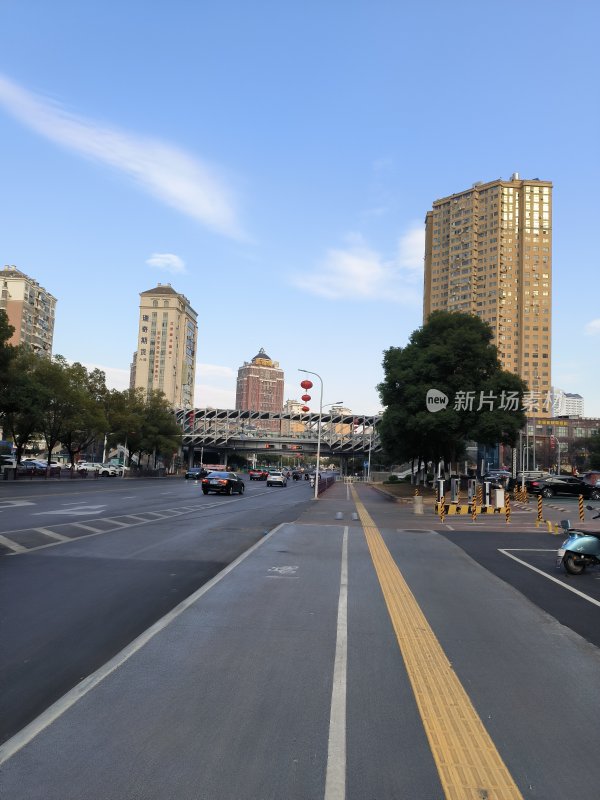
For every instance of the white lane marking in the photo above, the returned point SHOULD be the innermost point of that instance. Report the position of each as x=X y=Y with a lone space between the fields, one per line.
x=85 y=527
x=58 y=536
x=16 y=548
x=550 y=577
x=57 y=709
x=335 y=780
x=116 y=522
x=6 y=505
x=79 y=511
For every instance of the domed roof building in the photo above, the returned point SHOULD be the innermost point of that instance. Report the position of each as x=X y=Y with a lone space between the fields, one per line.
x=260 y=385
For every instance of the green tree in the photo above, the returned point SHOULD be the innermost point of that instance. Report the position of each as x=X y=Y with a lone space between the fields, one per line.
x=84 y=419
x=161 y=435
x=62 y=397
x=594 y=451
x=454 y=354
x=147 y=424
x=7 y=354
x=22 y=416
x=125 y=412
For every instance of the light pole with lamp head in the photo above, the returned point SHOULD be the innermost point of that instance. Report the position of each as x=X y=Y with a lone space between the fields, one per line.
x=337 y=403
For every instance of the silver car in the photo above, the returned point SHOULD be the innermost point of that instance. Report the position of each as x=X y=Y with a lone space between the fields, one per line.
x=276 y=479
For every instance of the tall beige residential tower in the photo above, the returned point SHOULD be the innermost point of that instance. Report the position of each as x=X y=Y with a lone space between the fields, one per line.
x=165 y=359
x=30 y=310
x=488 y=251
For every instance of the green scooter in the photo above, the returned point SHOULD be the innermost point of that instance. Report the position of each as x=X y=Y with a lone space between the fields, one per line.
x=580 y=550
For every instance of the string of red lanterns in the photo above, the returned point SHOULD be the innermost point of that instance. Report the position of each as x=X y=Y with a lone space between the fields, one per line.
x=306 y=385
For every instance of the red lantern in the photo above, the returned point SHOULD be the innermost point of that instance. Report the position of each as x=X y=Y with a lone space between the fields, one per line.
x=306 y=384
x=305 y=408
x=306 y=397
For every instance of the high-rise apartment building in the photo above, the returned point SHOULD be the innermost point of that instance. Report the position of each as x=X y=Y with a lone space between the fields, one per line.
x=567 y=404
x=30 y=310
x=260 y=385
x=488 y=251
x=165 y=359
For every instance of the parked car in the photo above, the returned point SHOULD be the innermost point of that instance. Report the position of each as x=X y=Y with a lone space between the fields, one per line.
x=276 y=479
x=563 y=485
x=498 y=478
x=121 y=469
x=593 y=478
x=88 y=466
x=31 y=468
x=108 y=470
x=223 y=483
x=196 y=473
x=258 y=474
x=528 y=476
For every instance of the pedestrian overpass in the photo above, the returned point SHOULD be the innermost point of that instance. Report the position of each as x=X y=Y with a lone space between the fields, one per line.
x=259 y=434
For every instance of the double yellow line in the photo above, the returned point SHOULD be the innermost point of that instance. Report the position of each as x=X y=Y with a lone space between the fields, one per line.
x=466 y=758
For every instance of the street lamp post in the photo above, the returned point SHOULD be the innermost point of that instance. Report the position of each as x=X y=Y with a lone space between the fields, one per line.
x=337 y=403
x=318 y=431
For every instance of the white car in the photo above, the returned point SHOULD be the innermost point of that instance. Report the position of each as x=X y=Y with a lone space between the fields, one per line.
x=108 y=470
x=276 y=479
x=88 y=466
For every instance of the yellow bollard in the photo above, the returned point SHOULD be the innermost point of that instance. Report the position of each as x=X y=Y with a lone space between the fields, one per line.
x=539 y=511
x=581 y=511
x=507 y=509
x=442 y=508
x=417 y=493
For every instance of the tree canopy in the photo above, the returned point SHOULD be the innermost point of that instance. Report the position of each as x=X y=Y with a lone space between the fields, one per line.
x=67 y=404
x=452 y=354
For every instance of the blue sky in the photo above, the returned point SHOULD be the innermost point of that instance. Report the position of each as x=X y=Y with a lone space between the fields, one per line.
x=274 y=162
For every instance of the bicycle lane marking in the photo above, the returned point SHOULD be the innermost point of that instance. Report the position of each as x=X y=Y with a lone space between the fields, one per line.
x=468 y=763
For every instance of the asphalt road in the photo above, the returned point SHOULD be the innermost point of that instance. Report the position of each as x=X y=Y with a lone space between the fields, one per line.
x=97 y=562
x=292 y=676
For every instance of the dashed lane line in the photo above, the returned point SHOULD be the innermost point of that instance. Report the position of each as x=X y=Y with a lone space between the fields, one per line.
x=85 y=527
x=117 y=523
x=10 y=545
x=52 y=534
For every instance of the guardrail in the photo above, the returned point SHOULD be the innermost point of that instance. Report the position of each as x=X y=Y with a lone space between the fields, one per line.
x=325 y=483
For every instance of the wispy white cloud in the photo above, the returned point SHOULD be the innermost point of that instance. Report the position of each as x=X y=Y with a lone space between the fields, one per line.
x=168 y=173
x=115 y=378
x=411 y=249
x=213 y=371
x=593 y=327
x=168 y=262
x=215 y=386
x=358 y=271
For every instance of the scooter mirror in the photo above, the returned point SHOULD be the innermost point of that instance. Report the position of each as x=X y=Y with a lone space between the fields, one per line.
x=565 y=524
x=590 y=508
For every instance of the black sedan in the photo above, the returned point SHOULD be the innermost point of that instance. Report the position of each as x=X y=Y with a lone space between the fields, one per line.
x=563 y=485
x=223 y=483
x=196 y=473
